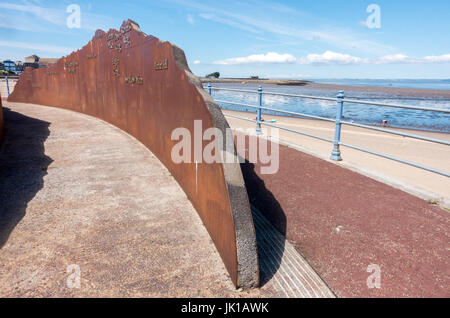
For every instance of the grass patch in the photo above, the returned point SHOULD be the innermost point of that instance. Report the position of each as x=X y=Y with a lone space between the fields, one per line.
x=433 y=202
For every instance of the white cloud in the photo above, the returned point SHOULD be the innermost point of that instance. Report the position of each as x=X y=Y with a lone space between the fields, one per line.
x=404 y=59
x=438 y=59
x=330 y=57
x=89 y=21
x=232 y=23
x=394 y=59
x=36 y=47
x=49 y=15
x=197 y=62
x=363 y=24
x=271 y=57
x=190 y=19
x=260 y=23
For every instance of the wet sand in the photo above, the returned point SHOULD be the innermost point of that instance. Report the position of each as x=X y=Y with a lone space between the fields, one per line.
x=254 y=81
x=303 y=84
x=401 y=92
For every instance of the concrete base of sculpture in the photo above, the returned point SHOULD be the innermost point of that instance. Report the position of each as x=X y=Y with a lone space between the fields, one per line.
x=144 y=87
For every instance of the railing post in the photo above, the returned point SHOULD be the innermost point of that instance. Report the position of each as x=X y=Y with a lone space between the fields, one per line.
x=7 y=85
x=209 y=88
x=336 y=153
x=258 y=116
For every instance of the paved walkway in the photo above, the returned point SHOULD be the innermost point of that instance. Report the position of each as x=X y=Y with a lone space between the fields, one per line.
x=77 y=191
x=427 y=185
x=345 y=224
x=4 y=90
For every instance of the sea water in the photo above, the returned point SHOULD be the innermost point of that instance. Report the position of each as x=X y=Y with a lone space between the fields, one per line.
x=365 y=114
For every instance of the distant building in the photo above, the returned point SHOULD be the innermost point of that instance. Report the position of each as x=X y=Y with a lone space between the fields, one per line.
x=254 y=77
x=19 y=67
x=32 y=61
x=47 y=62
x=2 y=66
x=9 y=66
x=35 y=61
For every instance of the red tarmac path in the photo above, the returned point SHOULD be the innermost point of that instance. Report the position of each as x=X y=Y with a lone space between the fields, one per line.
x=342 y=222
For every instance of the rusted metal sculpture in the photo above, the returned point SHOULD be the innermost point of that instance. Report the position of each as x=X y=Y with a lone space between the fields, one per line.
x=144 y=87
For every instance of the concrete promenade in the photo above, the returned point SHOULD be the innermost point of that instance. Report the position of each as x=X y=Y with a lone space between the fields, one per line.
x=75 y=190
x=424 y=184
x=3 y=89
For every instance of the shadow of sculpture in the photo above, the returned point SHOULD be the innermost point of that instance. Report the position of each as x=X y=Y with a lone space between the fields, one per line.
x=270 y=222
x=23 y=165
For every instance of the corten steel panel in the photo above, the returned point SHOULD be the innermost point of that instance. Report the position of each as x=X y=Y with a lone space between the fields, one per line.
x=144 y=87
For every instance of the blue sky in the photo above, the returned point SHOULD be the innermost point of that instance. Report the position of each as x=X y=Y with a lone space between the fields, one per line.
x=279 y=39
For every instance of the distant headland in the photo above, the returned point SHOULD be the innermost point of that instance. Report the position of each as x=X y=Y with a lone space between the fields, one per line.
x=255 y=80
x=399 y=92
